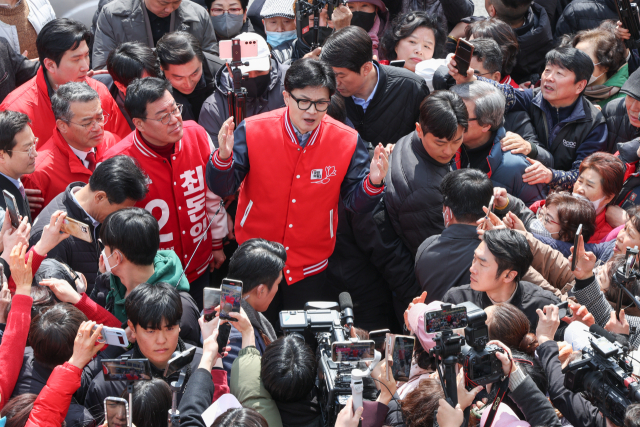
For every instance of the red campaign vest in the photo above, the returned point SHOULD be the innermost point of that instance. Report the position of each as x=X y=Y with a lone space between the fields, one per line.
x=177 y=191
x=290 y=194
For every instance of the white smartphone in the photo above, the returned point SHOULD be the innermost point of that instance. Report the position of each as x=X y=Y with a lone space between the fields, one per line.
x=113 y=336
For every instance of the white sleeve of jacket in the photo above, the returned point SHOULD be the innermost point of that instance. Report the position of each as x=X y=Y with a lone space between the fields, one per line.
x=219 y=228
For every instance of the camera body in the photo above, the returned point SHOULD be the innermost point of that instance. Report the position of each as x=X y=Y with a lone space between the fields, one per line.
x=311 y=9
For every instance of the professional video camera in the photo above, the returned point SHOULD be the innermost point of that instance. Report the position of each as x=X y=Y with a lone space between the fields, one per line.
x=481 y=366
x=327 y=330
x=604 y=376
x=308 y=20
x=628 y=14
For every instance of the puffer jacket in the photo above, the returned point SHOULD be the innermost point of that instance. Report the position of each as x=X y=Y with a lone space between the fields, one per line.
x=52 y=404
x=124 y=21
x=535 y=39
x=585 y=14
x=40 y=13
x=215 y=109
x=618 y=124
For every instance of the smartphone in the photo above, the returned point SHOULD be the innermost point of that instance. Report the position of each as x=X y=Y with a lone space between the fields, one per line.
x=399 y=351
x=116 y=412
x=126 y=369
x=575 y=248
x=223 y=336
x=112 y=336
x=179 y=362
x=10 y=201
x=211 y=298
x=397 y=63
x=77 y=229
x=248 y=48
x=347 y=351
x=564 y=310
x=464 y=52
x=442 y=320
x=230 y=297
x=379 y=337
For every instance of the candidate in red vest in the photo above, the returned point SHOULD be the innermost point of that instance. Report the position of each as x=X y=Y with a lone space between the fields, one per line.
x=77 y=145
x=64 y=54
x=294 y=164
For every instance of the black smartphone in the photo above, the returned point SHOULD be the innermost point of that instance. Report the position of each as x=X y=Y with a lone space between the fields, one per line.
x=116 y=412
x=464 y=52
x=10 y=201
x=223 y=336
x=126 y=369
x=230 y=297
x=564 y=310
x=179 y=362
x=575 y=248
x=402 y=354
x=379 y=337
x=397 y=63
x=211 y=298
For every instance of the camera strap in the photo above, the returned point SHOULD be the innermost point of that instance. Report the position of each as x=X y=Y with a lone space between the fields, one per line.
x=503 y=389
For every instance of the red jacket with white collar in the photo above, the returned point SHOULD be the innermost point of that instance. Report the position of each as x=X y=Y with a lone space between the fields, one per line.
x=177 y=195
x=57 y=166
x=32 y=99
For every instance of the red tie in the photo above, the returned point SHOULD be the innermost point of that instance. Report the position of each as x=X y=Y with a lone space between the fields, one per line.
x=91 y=159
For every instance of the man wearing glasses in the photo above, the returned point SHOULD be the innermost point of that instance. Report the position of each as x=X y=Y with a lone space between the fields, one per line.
x=294 y=164
x=76 y=146
x=174 y=156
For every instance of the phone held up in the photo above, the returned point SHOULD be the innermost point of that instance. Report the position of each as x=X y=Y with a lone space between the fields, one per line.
x=464 y=52
x=230 y=298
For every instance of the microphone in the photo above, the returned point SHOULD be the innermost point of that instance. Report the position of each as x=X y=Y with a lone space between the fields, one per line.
x=346 y=308
x=610 y=336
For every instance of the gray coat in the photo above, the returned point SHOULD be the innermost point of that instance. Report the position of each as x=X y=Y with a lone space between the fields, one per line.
x=124 y=21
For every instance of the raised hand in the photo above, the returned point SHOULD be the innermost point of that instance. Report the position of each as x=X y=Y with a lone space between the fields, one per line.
x=548 y=323
x=21 y=272
x=585 y=262
x=417 y=300
x=51 y=234
x=84 y=346
x=618 y=326
x=62 y=290
x=225 y=139
x=379 y=165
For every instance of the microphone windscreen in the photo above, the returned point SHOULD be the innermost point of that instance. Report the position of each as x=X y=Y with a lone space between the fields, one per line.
x=344 y=299
x=610 y=336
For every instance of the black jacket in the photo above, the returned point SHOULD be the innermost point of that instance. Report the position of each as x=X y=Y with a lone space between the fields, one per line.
x=584 y=15
x=15 y=69
x=394 y=109
x=443 y=260
x=618 y=124
x=192 y=103
x=534 y=404
x=196 y=399
x=535 y=39
x=413 y=197
x=79 y=255
x=23 y=203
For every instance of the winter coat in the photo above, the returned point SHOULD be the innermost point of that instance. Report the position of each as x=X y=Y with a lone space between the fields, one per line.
x=535 y=39
x=15 y=69
x=192 y=103
x=124 y=21
x=447 y=11
x=618 y=124
x=196 y=399
x=617 y=80
x=14 y=340
x=584 y=15
x=40 y=13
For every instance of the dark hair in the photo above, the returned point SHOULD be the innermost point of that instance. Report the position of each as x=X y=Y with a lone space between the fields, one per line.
x=178 y=48
x=141 y=92
x=419 y=406
x=350 y=48
x=134 y=232
x=147 y=305
x=488 y=52
x=573 y=211
x=11 y=123
x=422 y=358
x=509 y=325
x=257 y=262
x=503 y=34
x=465 y=192
x=243 y=3
x=441 y=113
x=289 y=369
x=511 y=11
x=511 y=251
x=634 y=216
x=309 y=72
x=404 y=25
x=573 y=60
x=129 y=60
x=18 y=409
x=53 y=269
x=52 y=333
x=337 y=109
x=632 y=416
x=609 y=167
x=605 y=46
x=151 y=402
x=59 y=36
x=240 y=417
x=120 y=178
x=68 y=93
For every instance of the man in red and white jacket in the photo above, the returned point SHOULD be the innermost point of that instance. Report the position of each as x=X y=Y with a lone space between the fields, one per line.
x=294 y=164
x=174 y=156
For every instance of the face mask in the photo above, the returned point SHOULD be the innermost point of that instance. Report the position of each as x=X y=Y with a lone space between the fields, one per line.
x=276 y=39
x=105 y=260
x=256 y=86
x=363 y=20
x=594 y=78
x=596 y=204
x=537 y=227
x=227 y=25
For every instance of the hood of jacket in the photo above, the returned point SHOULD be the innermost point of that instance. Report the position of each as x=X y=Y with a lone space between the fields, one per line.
x=168 y=269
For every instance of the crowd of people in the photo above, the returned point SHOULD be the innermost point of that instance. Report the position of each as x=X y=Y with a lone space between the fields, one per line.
x=366 y=160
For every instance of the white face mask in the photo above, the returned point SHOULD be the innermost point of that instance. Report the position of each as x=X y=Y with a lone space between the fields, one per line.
x=593 y=78
x=596 y=203
x=105 y=260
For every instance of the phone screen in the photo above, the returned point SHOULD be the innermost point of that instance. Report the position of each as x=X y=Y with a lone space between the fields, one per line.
x=353 y=351
x=441 y=320
x=211 y=298
x=126 y=369
x=10 y=201
x=116 y=412
x=179 y=362
x=230 y=297
x=575 y=247
x=379 y=338
x=402 y=355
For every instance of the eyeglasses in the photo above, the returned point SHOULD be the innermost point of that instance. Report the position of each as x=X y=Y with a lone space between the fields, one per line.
x=232 y=11
x=544 y=217
x=305 y=104
x=478 y=73
x=32 y=149
x=99 y=121
x=167 y=117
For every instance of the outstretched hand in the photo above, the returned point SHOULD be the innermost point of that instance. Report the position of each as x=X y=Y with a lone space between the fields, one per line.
x=585 y=261
x=416 y=300
x=379 y=165
x=225 y=139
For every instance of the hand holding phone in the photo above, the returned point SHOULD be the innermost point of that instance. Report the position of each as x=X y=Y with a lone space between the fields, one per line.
x=464 y=52
x=112 y=336
x=211 y=298
x=12 y=206
x=576 y=241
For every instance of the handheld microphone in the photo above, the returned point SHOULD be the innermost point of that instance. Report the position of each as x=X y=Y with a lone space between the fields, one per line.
x=346 y=308
x=610 y=336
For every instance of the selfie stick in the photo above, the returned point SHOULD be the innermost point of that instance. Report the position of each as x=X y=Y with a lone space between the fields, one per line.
x=130 y=391
x=237 y=97
x=176 y=386
x=357 y=385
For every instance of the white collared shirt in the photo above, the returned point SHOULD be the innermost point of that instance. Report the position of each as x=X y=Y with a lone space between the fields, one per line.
x=82 y=155
x=365 y=103
x=73 y=193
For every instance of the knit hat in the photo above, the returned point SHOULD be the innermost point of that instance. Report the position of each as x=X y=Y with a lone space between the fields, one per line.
x=416 y=322
x=273 y=8
x=632 y=86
